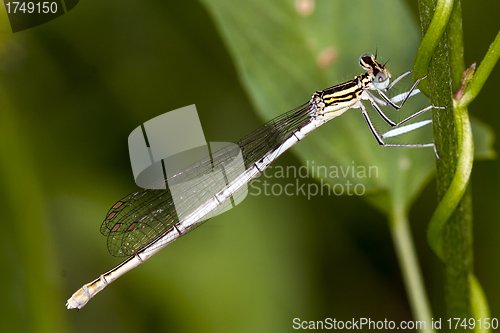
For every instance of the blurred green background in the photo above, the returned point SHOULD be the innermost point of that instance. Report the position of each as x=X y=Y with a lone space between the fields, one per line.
x=72 y=90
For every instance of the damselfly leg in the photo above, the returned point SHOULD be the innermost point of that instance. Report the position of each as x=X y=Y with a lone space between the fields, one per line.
x=377 y=102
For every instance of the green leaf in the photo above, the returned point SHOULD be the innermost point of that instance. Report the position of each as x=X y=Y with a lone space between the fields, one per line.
x=280 y=53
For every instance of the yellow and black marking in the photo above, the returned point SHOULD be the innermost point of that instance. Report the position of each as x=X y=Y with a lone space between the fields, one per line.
x=342 y=93
x=370 y=64
x=335 y=100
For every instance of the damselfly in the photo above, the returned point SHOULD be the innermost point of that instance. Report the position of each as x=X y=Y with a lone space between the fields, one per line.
x=144 y=222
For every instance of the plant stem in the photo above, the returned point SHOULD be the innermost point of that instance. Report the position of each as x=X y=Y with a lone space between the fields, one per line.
x=450 y=229
x=433 y=26
x=456 y=244
x=482 y=73
x=410 y=269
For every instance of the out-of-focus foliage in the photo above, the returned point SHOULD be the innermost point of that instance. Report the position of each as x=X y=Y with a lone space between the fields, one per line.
x=74 y=88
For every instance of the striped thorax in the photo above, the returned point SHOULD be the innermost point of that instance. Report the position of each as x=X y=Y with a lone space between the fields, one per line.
x=334 y=101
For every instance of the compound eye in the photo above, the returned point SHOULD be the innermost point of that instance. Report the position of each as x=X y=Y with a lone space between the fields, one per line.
x=367 y=61
x=382 y=80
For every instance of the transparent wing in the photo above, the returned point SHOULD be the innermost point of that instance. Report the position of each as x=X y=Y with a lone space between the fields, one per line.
x=141 y=217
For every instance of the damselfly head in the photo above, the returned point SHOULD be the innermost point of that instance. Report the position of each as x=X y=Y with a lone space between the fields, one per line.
x=381 y=79
x=367 y=61
x=380 y=75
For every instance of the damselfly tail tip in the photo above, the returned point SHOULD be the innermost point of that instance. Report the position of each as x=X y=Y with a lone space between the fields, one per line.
x=72 y=302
